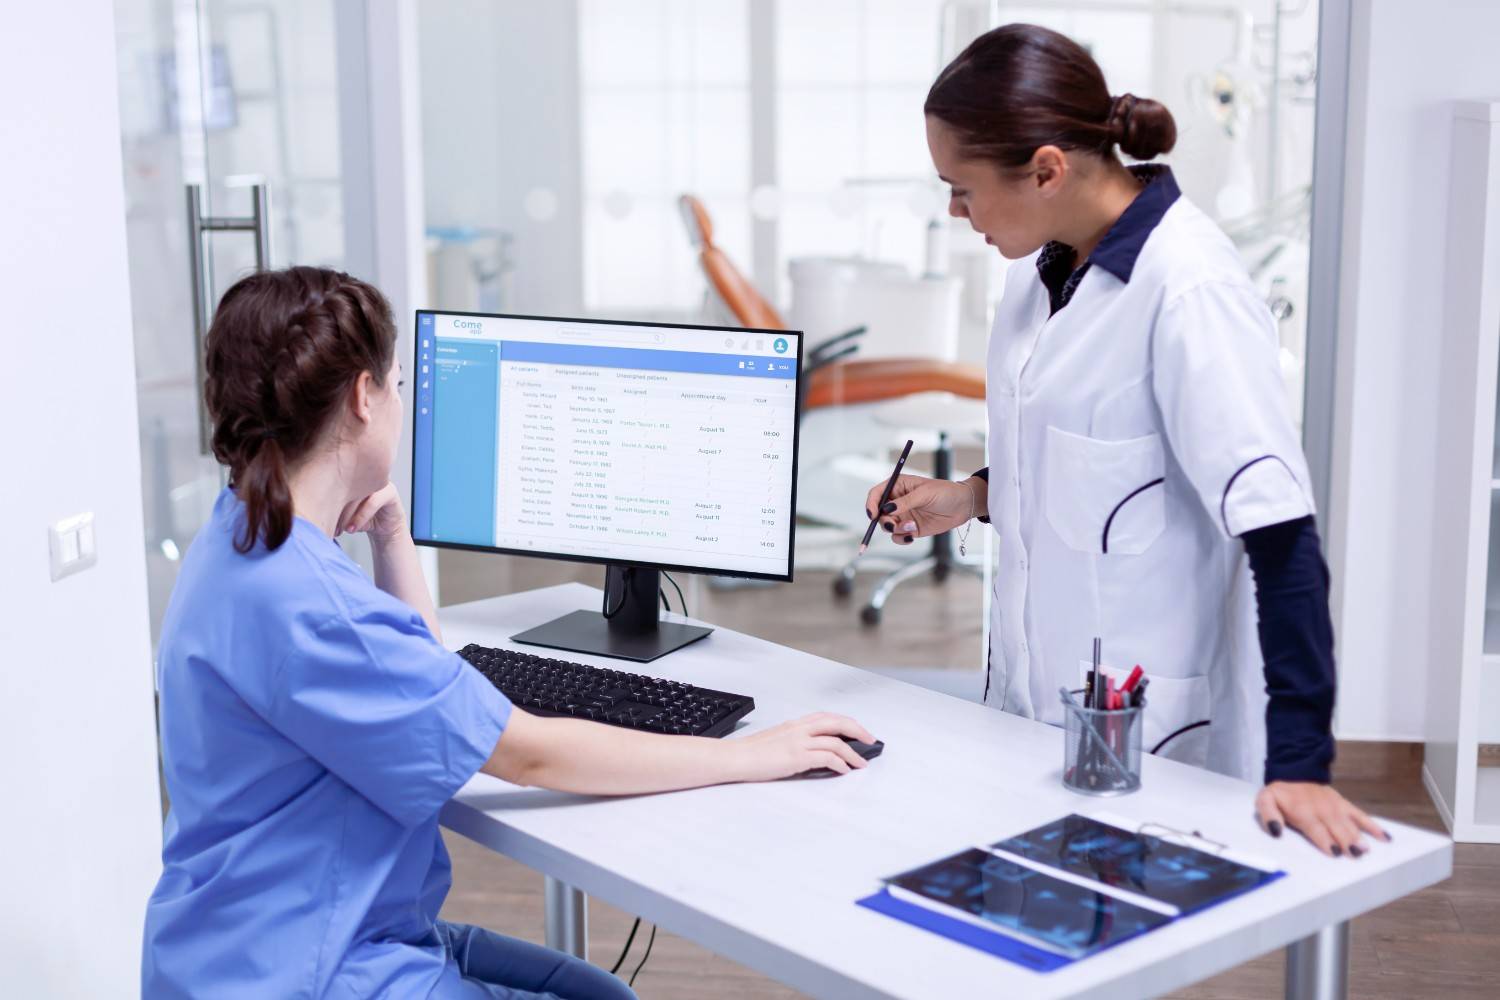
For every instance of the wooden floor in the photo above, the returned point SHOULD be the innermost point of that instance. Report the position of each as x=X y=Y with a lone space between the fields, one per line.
x=1441 y=942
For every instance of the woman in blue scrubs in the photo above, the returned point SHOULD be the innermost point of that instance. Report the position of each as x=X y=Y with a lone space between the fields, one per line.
x=312 y=722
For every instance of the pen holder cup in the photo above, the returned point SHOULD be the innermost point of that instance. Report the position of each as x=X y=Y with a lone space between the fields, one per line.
x=1101 y=749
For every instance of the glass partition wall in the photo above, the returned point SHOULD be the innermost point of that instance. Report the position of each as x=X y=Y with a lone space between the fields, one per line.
x=560 y=140
x=229 y=131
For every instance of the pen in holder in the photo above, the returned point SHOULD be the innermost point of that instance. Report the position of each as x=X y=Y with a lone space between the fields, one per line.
x=1102 y=748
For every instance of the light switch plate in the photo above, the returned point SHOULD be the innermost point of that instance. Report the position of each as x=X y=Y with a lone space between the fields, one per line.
x=71 y=543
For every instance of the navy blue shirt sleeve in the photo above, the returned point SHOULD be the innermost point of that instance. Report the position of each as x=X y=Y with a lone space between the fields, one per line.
x=1296 y=641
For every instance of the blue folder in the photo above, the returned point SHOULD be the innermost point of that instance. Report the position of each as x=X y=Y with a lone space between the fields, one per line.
x=992 y=942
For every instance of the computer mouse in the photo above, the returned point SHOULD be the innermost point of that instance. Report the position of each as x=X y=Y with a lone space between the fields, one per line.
x=869 y=751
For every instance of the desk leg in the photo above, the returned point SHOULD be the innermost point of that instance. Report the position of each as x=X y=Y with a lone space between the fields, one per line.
x=1317 y=967
x=567 y=919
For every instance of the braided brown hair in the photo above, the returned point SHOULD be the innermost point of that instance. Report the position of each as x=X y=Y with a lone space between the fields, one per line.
x=284 y=350
x=1020 y=87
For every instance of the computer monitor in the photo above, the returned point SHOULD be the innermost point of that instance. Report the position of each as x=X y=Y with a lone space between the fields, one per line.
x=641 y=446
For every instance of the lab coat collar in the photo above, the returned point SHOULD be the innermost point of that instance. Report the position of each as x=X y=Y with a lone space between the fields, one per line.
x=1118 y=250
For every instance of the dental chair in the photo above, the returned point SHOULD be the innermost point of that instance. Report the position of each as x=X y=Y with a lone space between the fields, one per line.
x=834 y=377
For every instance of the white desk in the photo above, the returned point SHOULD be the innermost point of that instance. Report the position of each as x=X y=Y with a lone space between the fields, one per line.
x=768 y=874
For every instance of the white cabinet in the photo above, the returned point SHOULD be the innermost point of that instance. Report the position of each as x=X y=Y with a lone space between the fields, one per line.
x=1463 y=709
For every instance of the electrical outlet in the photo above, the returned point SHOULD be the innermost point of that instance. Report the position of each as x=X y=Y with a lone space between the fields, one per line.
x=71 y=543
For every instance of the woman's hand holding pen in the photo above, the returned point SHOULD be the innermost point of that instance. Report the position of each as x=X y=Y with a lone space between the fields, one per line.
x=920 y=507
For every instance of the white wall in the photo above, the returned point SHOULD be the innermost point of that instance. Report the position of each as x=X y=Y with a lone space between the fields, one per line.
x=1408 y=63
x=80 y=845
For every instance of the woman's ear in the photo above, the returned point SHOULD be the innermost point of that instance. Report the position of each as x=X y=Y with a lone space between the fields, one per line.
x=359 y=399
x=1049 y=167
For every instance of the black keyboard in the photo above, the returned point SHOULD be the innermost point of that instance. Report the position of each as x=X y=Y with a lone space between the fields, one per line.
x=634 y=701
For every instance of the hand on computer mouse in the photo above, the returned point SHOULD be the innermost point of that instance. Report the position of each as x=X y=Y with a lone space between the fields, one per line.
x=801 y=745
x=868 y=751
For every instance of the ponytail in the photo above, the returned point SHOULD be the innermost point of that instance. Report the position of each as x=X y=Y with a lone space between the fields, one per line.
x=263 y=488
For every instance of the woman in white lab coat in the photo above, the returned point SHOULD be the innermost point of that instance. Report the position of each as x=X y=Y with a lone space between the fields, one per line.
x=1145 y=480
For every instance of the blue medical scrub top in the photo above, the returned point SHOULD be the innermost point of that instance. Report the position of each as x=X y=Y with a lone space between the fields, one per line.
x=311 y=729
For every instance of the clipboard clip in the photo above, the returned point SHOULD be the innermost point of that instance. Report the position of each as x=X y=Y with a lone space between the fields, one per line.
x=1164 y=832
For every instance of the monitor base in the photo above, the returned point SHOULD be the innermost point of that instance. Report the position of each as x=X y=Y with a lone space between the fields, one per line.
x=590 y=632
x=633 y=630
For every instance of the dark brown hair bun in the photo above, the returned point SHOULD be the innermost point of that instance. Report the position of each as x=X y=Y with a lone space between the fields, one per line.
x=1143 y=128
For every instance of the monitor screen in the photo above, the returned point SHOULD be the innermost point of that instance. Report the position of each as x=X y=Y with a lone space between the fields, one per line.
x=636 y=443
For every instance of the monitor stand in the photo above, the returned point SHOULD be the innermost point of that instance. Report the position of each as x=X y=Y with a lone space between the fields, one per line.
x=633 y=631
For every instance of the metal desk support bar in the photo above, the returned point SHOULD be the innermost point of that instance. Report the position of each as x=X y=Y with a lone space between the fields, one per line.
x=257 y=222
x=1317 y=967
x=567 y=919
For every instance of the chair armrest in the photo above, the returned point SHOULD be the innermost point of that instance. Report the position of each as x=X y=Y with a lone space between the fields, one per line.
x=842 y=383
x=834 y=347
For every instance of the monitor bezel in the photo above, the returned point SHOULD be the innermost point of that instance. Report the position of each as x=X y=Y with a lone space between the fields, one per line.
x=411 y=515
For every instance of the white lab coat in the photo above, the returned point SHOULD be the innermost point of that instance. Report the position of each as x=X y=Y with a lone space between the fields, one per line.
x=1134 y=436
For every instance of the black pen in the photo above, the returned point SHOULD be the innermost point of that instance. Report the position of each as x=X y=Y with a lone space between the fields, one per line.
x=1097 y=686
x=884 y=497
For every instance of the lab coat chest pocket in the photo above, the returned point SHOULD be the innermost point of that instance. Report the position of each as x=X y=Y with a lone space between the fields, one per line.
x=1105 y=496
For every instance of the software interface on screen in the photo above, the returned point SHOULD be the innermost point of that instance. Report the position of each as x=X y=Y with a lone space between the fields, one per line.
x=647 y=444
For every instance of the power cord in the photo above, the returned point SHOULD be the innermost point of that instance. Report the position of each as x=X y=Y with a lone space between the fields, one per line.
x=638 y=968
x=626 y=950
x=664 y=605
x=629 y=940
x=625 y=578
x=680 y=600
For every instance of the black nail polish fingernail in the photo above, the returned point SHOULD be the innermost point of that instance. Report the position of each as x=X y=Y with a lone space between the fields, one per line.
x=910 y=539
x=888 y=527
x=889 y=508
x=1338 y=851
x=1275 y=827
x=1357 y=851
